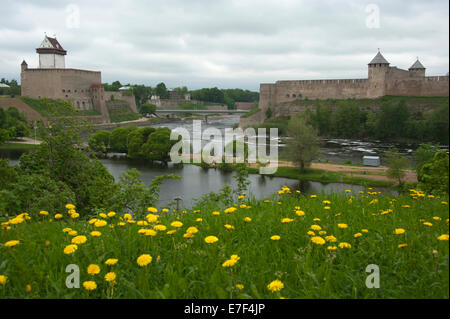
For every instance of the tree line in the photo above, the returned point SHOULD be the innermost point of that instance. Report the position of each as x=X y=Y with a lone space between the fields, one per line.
x=12 y=124
x=393 y=120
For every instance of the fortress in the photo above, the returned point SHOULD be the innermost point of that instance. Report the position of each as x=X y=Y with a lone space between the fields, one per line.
x=382 y=80
x=82 y=88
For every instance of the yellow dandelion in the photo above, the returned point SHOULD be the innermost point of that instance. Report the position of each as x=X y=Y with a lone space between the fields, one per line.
x=275 y=237
x=89 y=285
x=70 y=249
x=12 y=243
x=93 y=269
x=144 y=259
x=111 y=276
x=211 y=239
x=275 y=286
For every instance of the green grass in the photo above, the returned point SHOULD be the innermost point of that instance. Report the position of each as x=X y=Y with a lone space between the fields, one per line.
x=49 y=108
x=18 y=146
x=251 y=112
x=121 y=113
x=191 y=268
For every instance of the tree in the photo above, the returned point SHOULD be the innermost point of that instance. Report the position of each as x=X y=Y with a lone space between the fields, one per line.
x=147 y=108
x=162 y=91
x=303 y=146
x=119 y=138
x=136 y=139
x=158 y=145
x=397 y=164
x=434 y=175
x=424 y=154
x=99 y=141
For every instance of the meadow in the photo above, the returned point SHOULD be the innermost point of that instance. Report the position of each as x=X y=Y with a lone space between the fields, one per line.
x=288 y=246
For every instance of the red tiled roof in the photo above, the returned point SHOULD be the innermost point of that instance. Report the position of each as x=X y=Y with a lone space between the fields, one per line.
x=57 y=48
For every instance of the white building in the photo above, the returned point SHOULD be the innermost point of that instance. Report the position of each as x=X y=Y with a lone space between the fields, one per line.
x=51 y=54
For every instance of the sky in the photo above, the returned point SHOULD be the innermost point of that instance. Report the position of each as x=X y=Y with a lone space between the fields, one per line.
x=226 y=43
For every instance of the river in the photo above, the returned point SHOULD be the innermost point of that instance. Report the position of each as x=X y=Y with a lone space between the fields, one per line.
x=196 y=181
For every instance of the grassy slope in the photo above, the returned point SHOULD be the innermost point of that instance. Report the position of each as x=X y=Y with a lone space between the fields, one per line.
x=190 y=268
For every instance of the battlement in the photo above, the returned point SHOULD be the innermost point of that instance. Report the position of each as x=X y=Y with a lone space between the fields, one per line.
x=61 y=70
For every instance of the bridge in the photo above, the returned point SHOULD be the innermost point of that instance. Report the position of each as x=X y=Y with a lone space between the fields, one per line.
x=202 y=112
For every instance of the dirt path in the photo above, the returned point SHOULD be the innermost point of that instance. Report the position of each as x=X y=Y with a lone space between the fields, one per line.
x=25 y=140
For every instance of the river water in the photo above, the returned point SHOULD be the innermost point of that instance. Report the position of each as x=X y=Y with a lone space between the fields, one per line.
x=196 y=181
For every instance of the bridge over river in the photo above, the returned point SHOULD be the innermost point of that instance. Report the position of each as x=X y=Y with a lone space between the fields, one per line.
x=201 y=112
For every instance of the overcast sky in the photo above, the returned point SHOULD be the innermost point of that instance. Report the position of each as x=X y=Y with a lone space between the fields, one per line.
x=228 y=44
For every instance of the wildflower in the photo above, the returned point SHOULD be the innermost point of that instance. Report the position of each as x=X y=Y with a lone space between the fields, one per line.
x=69 y=249
x=326 y=202
x=103 y=215
x=364 y=230
x=230 y=210
x=242 y=206
x=89 y=285
x=229 y=263
x=318 y=240
x=127 y=216
x=111 y=261
x=47 y=243
x=142 y=223
x=211 y=239
x=111 y=214
x=12 y=243
x=443 y=237
x=228 y=226
x=111 y=276
x=58 y=216
x=402 y=245
x=300 y=213
x=311 y=233
x=188 y=235
x=315 y=227
x=239 y=286
x=247 y=219
x=3 y=279
x=152 y=218
x=275 y=286
x=176 y=224
x=160 y=227
x=73 y=233
x=165 y=210
x=357 y=235
x=331 y=239
x=170 y=232
x=100 y=223
x=322 y=232
x=152 y=210
x=342 y=226
x=199 y=220
x=287 y=220
x=96 y=233
x=444 y=203
x=216 y=213
x=150 y=232
x=347 y=191
x=344 y=245
x=331 y=247
x=399 y=231
x=79 y=240
x=192 y=230
x=316 y=219
x=275 y=237
x=327 y=208
x=144 y=260
x=428 y=224
x=93 y=220
x=437 y=218
x=70 y=206
x=313 y=196
x=93 y=269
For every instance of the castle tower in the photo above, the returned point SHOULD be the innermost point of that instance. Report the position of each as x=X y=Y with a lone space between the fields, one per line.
x=417 y=69
x=51 y=54
x=378 y=68
x=24 y=66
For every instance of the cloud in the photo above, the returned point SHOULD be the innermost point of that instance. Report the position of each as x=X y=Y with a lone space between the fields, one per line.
x=200 y=43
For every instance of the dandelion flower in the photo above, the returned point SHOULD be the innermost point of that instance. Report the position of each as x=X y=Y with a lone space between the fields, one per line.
x=247 y=219
x=331 y=239
x=3 y=279
x=331 y=247
x=79 y=240
x=287 y=220
x=300 y=213
x=239 y=286
x=342 y=226
x=428 y=224
x=58 y=216
x=160 y=227
x=12 y=243
x=93 y=269
x=111 y=261
x=192 y=230
x=399 y=231
x=228 y=226
x=144 y=259
x=357 y=235
x=170 y=232
x=89 y=285
x=111 y=276
x=70 y=249
x=111 y=214
x=315 y=227
x=73 y=233
x=318 y=240
x=229 y=263
x=402 y=245
x=344 y=245
x=275 y=286
x=152 y=218
x=443 y=237
x=275 y=237
x=100 y=223
x=70 y=206
x=176 y=224
x=211 y=239
x=152 y=210
x=230 y=210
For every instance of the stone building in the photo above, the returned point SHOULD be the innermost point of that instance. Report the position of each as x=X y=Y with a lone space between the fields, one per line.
x=82 y=88
x=383 y=79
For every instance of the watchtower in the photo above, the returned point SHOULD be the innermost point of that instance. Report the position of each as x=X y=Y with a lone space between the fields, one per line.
x=51 y=54
x=417 y=69
x=378 y=68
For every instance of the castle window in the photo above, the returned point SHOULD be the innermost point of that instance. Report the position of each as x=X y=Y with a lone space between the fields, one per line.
x=63 y=90
x=293 y=95
x=68 y=91
x=67 y=95
x=78 y=104
x=83 y=104
x=75 y=91
x=287 y=95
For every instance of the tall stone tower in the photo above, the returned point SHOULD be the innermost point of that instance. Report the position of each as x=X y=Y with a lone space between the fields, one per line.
x=378 y=68
x=51 y=54
x=417 y=69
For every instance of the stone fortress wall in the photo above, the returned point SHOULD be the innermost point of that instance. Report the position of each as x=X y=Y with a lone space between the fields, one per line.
x=382 y=80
